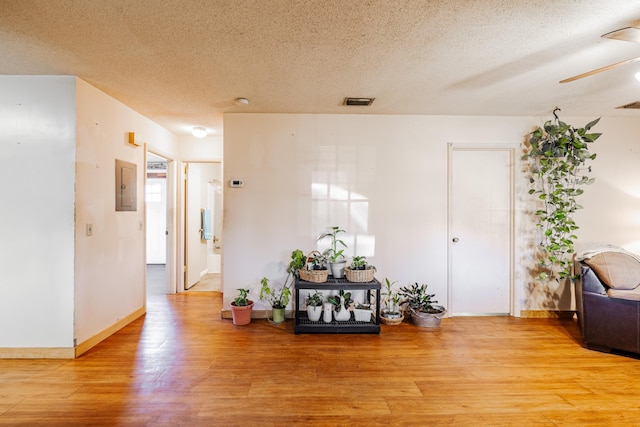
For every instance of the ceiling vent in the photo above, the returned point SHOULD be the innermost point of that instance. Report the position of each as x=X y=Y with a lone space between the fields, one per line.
x=362 y=102
x=632 y=106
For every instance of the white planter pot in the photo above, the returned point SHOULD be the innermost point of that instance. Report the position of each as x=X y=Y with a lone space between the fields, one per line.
x=337 y=269
x=314 y=312
x=344 y=314
x=362 y=315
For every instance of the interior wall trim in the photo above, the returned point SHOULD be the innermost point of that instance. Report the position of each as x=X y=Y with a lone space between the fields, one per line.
x=86 y=345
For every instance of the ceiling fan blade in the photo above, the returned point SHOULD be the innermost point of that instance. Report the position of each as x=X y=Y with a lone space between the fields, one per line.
x=600 y=70
x=629 y=34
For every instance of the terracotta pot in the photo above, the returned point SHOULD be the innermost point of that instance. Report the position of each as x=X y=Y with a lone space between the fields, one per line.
x=241 y=314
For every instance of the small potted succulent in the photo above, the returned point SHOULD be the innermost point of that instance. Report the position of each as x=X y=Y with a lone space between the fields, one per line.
x=314 y=303
x=241 y=308
x=424 y=310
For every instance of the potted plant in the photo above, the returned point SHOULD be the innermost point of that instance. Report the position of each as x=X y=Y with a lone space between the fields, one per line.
x=318 y=261
x=241 y=308
x=359 y=270
x=315 y=269
x=337 y=261
x=277 y=297
x=423 y=309
x=341 y=303
x=362 y=312
x=390 y=313
x=314 y=303
x=558 y=153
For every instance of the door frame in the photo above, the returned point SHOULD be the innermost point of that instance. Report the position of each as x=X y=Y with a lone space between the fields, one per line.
x=171 y=255
x=181 y=209
x=511 y=149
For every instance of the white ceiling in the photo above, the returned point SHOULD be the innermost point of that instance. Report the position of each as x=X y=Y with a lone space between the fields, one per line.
x=183 y=62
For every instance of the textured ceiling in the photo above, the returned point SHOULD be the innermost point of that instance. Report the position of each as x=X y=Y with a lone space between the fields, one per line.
x=182 y=63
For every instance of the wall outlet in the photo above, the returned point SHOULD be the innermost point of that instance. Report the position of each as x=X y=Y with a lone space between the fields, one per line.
x=89 y=229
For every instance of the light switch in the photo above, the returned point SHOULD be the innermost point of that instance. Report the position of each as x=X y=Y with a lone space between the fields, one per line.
x=89 y=229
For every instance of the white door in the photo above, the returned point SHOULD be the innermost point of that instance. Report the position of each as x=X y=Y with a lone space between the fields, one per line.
x=480 y=230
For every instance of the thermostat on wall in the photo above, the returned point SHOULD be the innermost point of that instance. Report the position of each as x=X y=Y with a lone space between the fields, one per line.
x=236 y=183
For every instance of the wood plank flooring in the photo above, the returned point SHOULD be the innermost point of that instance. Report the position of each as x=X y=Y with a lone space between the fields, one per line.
x=182 y=365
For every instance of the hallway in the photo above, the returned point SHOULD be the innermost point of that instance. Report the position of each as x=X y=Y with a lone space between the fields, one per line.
x=157 y=281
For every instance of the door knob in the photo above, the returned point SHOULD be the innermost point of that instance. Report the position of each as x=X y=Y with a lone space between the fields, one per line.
x=455 y=240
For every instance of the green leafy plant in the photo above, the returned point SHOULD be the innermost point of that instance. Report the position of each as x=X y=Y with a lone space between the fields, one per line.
x=559 y=153
x=332 y=252
x=335 y=299
x=242 y=299
x=318 y=261
x=417 y=298
x=359 y=263
x=279 y=297
x=315 y=299
x=298 y=261
x=390 y=297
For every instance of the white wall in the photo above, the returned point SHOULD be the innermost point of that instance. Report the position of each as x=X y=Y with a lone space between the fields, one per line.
x=110 y=264
x=395 y=167
x=37 y=150
x=207 y=149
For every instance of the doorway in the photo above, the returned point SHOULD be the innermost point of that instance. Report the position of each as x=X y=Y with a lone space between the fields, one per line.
x=202 y=226
x=156 y=208
x=480 y=230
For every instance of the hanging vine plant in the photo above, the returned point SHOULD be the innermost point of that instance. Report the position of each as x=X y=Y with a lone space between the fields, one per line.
x=559 y=154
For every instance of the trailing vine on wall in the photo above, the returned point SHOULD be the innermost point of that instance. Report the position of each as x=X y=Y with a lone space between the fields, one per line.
x=559 y=154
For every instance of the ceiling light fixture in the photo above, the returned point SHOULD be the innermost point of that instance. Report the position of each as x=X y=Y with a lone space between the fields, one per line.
x=242 y=101
x=199 y=132
x=637 y=76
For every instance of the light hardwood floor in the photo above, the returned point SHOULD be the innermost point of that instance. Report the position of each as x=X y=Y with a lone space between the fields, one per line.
x=182 y=365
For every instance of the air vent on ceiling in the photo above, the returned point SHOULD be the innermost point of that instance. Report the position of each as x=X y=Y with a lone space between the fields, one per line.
x=363 y=102
x=632 y=106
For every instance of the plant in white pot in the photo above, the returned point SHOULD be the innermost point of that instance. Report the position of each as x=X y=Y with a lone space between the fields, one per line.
x=337 y=261
x=341 y=303
x=314 y=306
x=425 y=312
x=241 y=308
